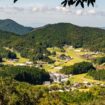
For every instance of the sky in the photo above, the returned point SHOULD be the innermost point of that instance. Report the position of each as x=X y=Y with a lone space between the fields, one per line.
x=37 y=13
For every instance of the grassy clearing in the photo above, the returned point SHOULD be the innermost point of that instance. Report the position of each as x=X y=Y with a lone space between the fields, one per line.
x=83 y=77
x=20 y=59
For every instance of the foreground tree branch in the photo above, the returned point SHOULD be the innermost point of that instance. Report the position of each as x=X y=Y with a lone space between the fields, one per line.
x=75 y=2
x=15 y=1
x=78 y=2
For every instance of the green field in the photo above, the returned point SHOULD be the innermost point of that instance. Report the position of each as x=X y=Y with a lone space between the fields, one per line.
x=75 y=54
x=69 y=51
x=20 y=59
x=84 y=78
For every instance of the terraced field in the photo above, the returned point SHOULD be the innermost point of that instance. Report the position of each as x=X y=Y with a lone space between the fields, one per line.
x=75 y=54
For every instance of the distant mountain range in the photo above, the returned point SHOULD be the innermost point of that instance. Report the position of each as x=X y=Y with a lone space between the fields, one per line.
x=103 y=28
x=12 y=26
x=55 y=35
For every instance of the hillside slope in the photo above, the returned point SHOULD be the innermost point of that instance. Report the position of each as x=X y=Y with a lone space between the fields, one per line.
x=37 y=41
x=65 y=33
x=11 y=26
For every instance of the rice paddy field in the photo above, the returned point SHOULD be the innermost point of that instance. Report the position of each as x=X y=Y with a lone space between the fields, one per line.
x=69 y=51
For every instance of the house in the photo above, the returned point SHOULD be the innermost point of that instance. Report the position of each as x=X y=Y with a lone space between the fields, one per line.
x=21 y=64
x=102 y=85
x=29 y=63
x=87 y=56
x=77 y=50
x=58 y=68
x=70 y=47
x=64 y=80
x=61 y=90
x=47 y=83
x=77 y=85
x=87 y=84
x=39 y=64
x=64 y=57
x=57 y=77
x=13 y=60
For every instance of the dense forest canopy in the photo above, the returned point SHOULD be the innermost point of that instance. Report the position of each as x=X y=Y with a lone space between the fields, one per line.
x=98 y=74
x=30 y=75
x=78 y=68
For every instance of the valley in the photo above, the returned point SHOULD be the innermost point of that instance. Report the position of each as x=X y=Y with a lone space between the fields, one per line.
x=63 y=62
x=66 y=56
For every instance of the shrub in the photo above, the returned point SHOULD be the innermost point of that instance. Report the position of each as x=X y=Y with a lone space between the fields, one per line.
x=98 y=75
x=100 y=60
x=1 y=60
x=12 y=55
x=78 y=68
x=31 y=75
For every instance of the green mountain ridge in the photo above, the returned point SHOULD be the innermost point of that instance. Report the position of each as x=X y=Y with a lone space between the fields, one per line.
x=66 y=33
x=11 y=26
x=29 y=45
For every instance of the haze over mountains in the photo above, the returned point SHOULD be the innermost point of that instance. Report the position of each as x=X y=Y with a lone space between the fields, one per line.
x=103 y=28
x=12 y=26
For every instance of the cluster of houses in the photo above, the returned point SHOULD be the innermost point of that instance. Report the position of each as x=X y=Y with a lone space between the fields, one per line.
x=61 y=78
x=76 y=86
x=39 y=64
x=86 y=84
x=57 y=78
x=88 y=56
x=24 y=64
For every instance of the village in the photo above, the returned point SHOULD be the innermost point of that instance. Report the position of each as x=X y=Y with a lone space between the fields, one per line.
x=61 y=82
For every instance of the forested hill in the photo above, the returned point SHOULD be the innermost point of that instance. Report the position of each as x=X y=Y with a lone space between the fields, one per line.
x=11 y=26
x=65 y=33
x=9 y=39
x=55 y=35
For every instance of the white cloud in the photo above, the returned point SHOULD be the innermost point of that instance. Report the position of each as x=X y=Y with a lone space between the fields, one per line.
x=40 y=8
x=50 y=9
x=79 y=12
x=11 y=9
x=87 y=12
x=62 y=9
x=68 y=10
x=58 y=9
x=91 y=11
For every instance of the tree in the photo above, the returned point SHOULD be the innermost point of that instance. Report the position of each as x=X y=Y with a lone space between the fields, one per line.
x=75 y=2
x=78 y=68
x=99 y=60
x=1 y=59
x=12 y=55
